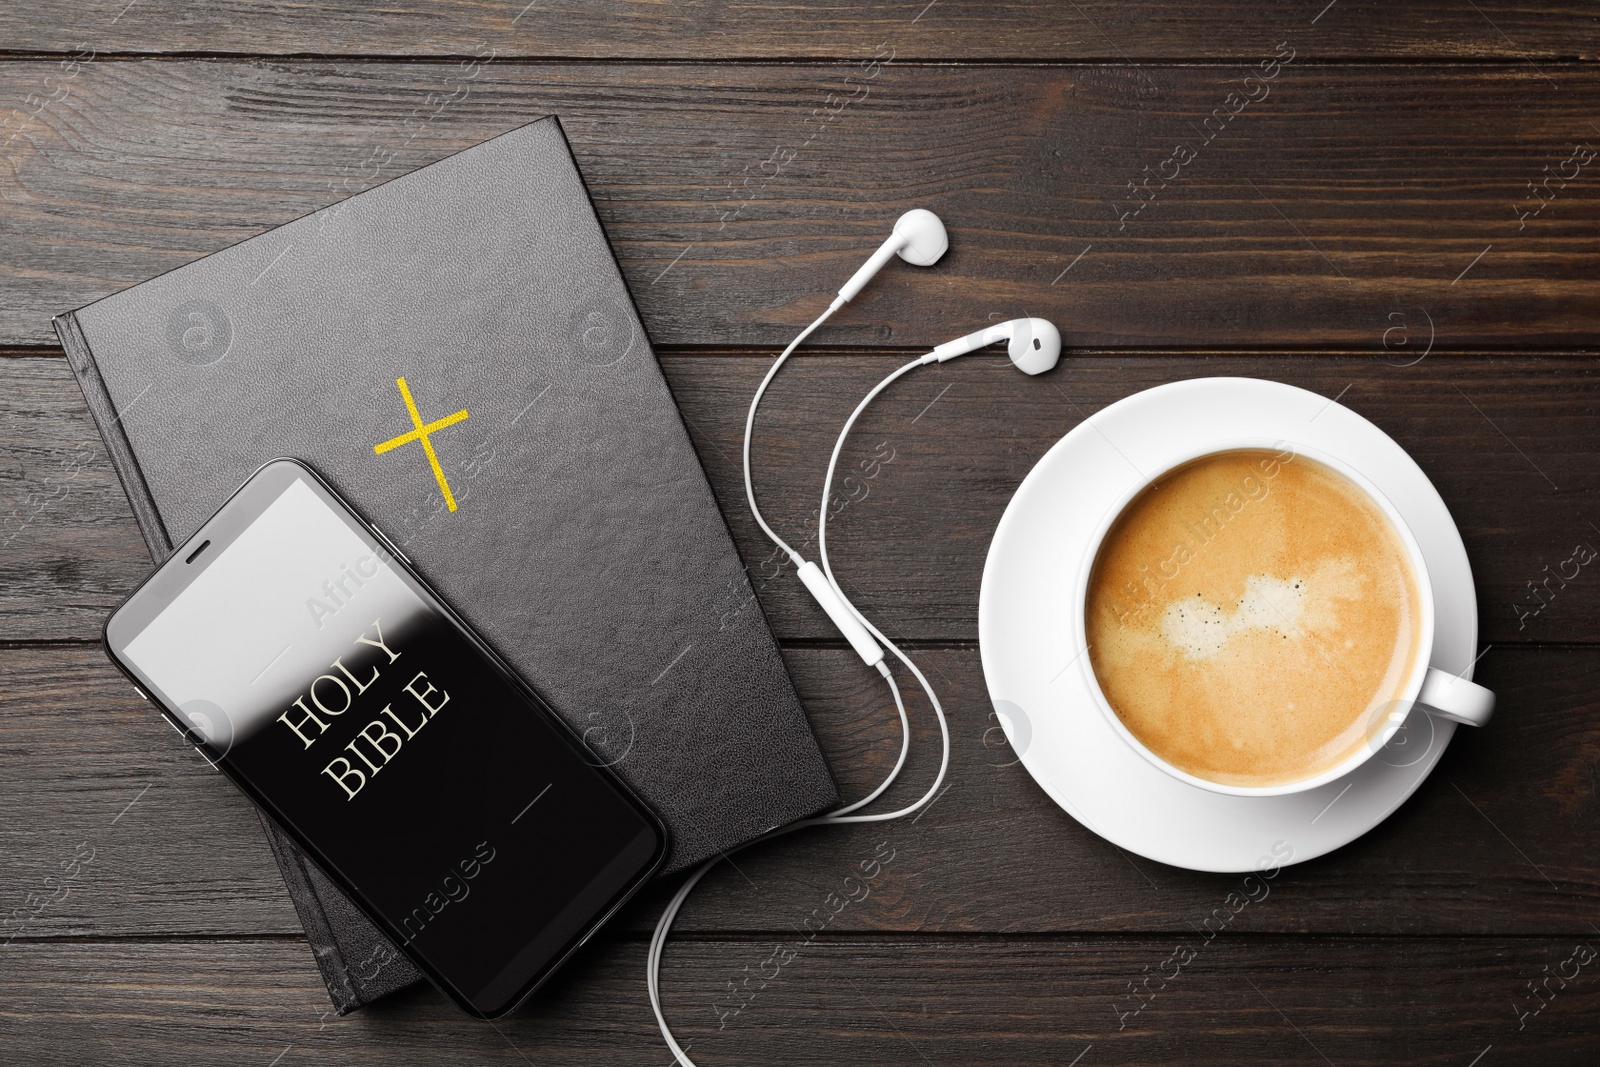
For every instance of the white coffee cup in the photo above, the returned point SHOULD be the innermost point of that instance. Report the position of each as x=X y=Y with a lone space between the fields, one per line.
x=1433 y=692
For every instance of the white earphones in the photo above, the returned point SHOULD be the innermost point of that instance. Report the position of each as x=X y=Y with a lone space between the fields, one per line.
x=1034 y=346
x=919 y=238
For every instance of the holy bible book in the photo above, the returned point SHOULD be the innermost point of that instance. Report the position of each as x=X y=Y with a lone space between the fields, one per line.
x=456 y=352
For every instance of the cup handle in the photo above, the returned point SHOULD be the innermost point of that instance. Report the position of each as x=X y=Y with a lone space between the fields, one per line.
x=1451 y=697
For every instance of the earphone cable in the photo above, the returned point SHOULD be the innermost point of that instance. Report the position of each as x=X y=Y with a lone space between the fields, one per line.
x=827 y=569
x=658 y=940
x=663 y=928
x=750 y=424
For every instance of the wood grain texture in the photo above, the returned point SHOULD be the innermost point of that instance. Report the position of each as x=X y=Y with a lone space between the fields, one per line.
x=1513 y=444
x=68 y=542
x=1399 y=219
x=944 y=29
x=1499 y=840
x=1356 y=1001
x=738 y=196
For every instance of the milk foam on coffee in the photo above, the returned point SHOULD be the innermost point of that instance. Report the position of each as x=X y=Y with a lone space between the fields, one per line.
x=1250 y=615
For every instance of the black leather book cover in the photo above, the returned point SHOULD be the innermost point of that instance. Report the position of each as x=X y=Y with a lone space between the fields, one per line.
x=456 y=352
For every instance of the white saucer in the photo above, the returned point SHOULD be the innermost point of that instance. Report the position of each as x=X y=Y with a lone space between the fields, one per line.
x=1040 y=692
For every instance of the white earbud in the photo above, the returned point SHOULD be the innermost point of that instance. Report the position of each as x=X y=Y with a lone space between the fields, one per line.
x=1034 y=344
x=918 y=238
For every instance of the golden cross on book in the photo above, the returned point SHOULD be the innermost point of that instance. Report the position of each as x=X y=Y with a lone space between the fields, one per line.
x=420 y=433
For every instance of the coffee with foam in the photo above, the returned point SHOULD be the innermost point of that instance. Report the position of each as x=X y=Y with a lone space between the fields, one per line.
x=1249 y=614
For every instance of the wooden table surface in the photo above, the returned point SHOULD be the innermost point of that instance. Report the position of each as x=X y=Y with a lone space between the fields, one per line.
x=1402 y=214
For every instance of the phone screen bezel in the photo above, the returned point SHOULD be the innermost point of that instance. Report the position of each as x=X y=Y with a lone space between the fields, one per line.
x=208 y=543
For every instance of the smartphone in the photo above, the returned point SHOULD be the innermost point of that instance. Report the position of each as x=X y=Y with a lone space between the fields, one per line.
x=297 y=650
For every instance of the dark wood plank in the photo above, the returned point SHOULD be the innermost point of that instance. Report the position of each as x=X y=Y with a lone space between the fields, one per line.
x=69 y=549
x=1422 y=1001
x=1512 y=443
x=739 y=196
x=1499 y=840
x=949 y=29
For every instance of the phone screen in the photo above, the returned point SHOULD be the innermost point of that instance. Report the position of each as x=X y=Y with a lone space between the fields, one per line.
x=333 y=687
